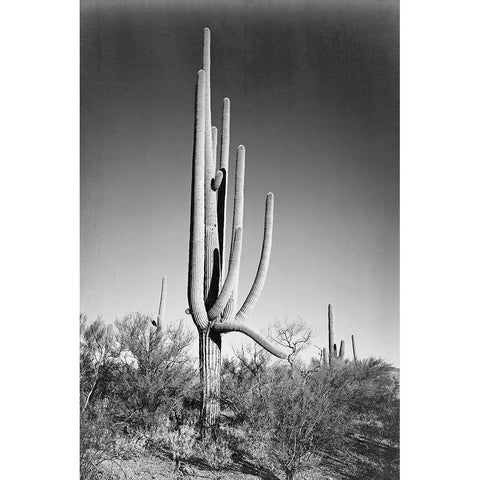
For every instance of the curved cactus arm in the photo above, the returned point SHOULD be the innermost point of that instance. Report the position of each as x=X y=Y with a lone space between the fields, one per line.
x=232 y=277
x=238 y=201
x=222 y=189
x=217 y=181
x=163 y=302
x=197 y=212
x=262 y=340
x=261 y=276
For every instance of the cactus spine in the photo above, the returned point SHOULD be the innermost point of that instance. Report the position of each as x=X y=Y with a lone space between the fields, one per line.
x=212 y=286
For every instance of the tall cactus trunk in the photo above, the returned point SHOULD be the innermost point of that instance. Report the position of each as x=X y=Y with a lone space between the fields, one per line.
x=210 y=357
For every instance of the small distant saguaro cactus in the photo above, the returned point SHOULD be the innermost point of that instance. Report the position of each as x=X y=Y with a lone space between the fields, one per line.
x=354 y=350
x=161 y=307
x=212 y=286
x=333 y=353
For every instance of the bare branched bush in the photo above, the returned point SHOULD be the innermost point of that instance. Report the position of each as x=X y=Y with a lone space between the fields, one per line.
x=295 y=335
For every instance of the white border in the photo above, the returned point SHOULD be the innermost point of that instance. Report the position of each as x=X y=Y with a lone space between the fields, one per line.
x=439 y=239
x=439 y=229
x=40 y=239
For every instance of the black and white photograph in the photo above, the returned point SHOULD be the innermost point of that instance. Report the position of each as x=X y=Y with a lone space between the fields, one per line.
x=227 y=227
x=239 y=239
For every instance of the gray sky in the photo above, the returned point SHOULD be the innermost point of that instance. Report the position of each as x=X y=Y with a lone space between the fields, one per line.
x=314 y=99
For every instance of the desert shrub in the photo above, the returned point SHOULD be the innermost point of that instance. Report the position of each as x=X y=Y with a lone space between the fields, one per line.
x=216 y=453
x=157 y=374
x=140 y=395
x=97 y=443
x=132 y=445
x=342 y=419
x=300 y=417
x=98 y=353
x=181 y=443
x=369 y=393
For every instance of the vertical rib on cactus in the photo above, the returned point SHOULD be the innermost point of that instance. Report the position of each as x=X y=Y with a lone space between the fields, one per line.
x=353 y=349
x=214 y=144
x=163 y=301
x=331 y=333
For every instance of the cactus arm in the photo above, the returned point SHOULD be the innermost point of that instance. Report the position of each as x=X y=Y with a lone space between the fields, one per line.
x=238 y=201
x=341 y=352
x=209 y=163
x=231 y=280
x=197 y=212
x=222 y=189
x=217 y=181
x=261 y=275
x=239 y=188
x=211 y=281
x=163 y=301
x=262 y=340
x=354 y=350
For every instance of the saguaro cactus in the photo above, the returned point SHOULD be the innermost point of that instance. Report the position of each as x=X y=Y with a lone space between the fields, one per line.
x=212 y=287
x=161 y=307
x=354 y=350
x=331 y=333
x=333 y=352
x=324 y=356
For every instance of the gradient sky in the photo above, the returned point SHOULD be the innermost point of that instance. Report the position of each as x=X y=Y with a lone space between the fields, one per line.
x=314 y=99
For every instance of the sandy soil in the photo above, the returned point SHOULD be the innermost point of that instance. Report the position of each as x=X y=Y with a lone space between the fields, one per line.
x=153 y=468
